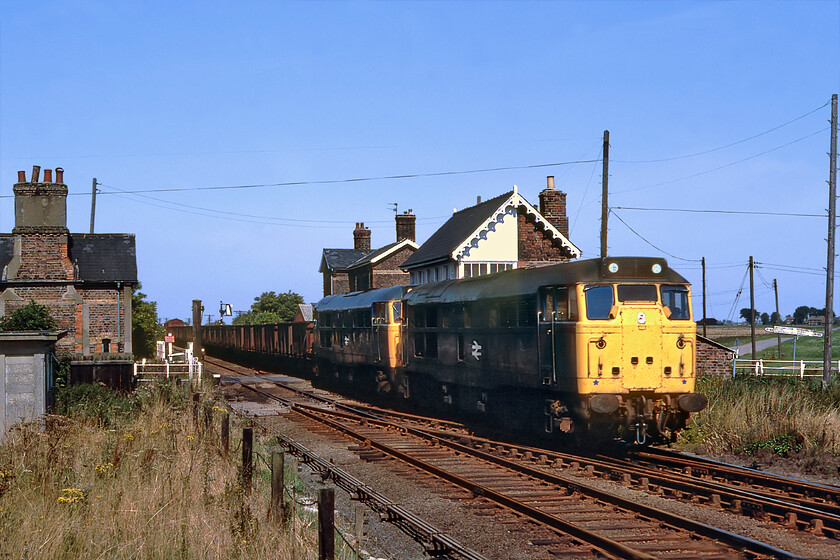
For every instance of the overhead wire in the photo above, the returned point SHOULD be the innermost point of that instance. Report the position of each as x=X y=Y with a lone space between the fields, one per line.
x=740 y=212
x=704 y=152
x=350 y=180
x=640 y=236
x=738 y=295
x=706 y=172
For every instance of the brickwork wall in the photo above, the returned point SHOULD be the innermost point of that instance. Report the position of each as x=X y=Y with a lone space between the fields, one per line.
x=341 y=283
x=712 y=360
x=388 y=273
x=43 y=256
x=102 y=315
x=535 y=247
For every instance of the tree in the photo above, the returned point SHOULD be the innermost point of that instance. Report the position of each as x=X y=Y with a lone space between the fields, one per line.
x=271 y=308
x=800 y=315
x=747 y=314
x=31 y=317
x=775 y=318
x=765 y=319
x=145 y=325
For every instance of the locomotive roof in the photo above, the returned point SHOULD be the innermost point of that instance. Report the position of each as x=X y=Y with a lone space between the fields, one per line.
x=359 y=300
x=524 y=281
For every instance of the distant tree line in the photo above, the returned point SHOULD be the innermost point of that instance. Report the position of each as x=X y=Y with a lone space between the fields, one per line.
x=269 y=307
x=800 y=316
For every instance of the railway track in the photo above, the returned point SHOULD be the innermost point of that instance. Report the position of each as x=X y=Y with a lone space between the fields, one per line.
x=533 y=483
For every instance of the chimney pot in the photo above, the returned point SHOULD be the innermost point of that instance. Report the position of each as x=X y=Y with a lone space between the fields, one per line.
x=59 y=175
x=36 y=173
x=550 y=180
x=48 y=175
x=478 y=200
x=21 y=176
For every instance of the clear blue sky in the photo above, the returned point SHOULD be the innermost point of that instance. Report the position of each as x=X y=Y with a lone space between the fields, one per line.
x=157 y=95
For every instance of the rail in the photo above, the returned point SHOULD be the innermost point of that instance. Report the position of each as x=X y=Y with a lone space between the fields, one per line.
x=781 y=368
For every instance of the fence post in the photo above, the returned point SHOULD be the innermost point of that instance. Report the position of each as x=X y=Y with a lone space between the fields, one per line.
x=226 y=431
x=196 y=398
x=326 y=524
x=359 y=515
x=802 y=369
x=247 y=458
x=208 y=416
x=278 y=466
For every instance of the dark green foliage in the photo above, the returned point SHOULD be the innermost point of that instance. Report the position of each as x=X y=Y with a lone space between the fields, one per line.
x=747 y=314
x=781 y=445
x=145 y=325
x=271 y=308
x=91 y=402
x=30 y=317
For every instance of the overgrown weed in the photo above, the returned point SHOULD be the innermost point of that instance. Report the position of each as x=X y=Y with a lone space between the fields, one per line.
x=130 y=476
x=753 y=416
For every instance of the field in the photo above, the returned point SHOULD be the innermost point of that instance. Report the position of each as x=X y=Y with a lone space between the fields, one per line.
x=728 y=335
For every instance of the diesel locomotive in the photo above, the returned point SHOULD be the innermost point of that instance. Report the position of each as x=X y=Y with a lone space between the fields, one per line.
x=602 y=345
x=599 y=347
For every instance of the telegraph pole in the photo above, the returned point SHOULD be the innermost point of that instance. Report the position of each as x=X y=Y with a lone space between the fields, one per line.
x=752 y=310
x=832 y=226
x=605 y=209
x=93 y=204
x=703 y=262
x=779 y=316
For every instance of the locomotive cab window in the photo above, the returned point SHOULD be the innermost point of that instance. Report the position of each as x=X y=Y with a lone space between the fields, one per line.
x=676 y=299
x=637 y=292
x=396 y=308
x=380 y=313
x=599 y=301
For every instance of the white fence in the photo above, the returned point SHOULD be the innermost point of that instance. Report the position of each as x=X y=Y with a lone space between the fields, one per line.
x=782 y=368
x=148 y=371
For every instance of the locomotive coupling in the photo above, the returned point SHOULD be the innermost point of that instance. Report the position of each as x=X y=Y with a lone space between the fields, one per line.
x=692 y=402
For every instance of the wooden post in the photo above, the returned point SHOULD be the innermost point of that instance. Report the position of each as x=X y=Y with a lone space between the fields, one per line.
x=703 y=262
x=605 y=192
x=226 y=431
x=247 y=458
x=326 y=524
x=208 y=416
x=359 y=515
x=752 y=311
x=278 y=465
x=196 y=399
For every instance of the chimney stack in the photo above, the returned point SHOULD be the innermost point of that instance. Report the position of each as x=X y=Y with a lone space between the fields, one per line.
x=405 y=226
x=553 y=207
x=40 y=207
x=361 y=237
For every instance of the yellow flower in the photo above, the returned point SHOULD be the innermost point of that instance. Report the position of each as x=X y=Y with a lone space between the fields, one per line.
x=105 y=470
x=71 y=496
x=128 y=437
x=190 y=437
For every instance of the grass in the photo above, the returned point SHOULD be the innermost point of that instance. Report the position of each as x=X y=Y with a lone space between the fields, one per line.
x=750 y=416
x=131 y=476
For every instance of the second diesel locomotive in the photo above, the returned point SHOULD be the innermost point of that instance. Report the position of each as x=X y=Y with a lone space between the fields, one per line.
x=601 y=345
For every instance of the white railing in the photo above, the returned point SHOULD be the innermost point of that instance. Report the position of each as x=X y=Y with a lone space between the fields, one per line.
x=781 y=368
x=148 y=371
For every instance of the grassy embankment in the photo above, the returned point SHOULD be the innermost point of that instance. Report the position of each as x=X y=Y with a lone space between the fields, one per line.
x=132 y=477
x=770 y=417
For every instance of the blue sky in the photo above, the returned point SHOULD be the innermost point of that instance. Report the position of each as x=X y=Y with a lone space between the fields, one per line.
x=187 y=95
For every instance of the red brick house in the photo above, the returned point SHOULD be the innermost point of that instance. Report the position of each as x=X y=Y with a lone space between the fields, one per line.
x=85 y=279
x=361 y=268
x=496 y=235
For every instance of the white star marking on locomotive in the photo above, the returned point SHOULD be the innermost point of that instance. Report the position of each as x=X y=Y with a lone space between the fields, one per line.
x=476 y=350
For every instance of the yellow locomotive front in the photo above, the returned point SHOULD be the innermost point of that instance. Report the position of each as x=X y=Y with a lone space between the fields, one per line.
x=635 y=348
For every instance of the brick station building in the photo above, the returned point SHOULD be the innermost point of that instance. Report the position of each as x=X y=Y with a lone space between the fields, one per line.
x=85 y=279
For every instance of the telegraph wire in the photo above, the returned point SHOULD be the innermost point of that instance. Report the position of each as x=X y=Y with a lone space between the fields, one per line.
x=262 y=219
x=640 y=236
x=740 y=212
x=701 y=173
x=728 y=145
x=738 y=295
x=351 y=180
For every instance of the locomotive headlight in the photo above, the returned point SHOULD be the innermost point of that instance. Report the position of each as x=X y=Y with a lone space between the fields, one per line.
x=681 y=342
x=613 y=267
x=657 y=268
